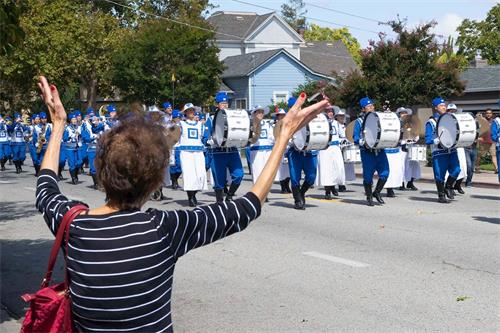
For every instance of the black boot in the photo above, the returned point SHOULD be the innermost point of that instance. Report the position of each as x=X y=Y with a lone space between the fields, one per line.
x=450 y=193
x=458 y=186
x=283 y=188
x=226 y=191
x=232 y=191
x=287 y=185
x=390 y=193
x=37 y=169
x=410 y=185
x=378 y=189
x=303 y=189
x=76 y=174
x=20 y=163
x=175 y=181
x=74 y=181
x=441 y=192
x=18 y=166
x=334 y=191
x=94 y=180
x=402 y=187
x=60 y=174
x=299 y=204
x=194 y=198
x=190 y=199
x=342 y=188
x=219 y=195
x=328 y=193
x=2 y=164
x=368 y=192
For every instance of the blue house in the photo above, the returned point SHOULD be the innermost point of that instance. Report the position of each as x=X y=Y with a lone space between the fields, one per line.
x=266 y=60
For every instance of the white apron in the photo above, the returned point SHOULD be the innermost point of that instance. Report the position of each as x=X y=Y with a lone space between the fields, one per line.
x=331 y=167
x=261 y=149
x=194 y=176
x=412 y=168
x=396 y=168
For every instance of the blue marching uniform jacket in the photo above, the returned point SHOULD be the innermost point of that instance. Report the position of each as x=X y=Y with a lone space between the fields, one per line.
x=90 y=138
x=223 y=159
x=71 y=143
x=4 y=141
x=442 y=159
x=495 y=136
x=371 y=159
x=17 y=143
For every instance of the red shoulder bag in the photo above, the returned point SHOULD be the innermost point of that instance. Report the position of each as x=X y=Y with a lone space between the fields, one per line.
x=50 y=307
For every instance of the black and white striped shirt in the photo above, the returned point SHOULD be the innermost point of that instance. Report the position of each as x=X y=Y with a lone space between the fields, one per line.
x=121 y=265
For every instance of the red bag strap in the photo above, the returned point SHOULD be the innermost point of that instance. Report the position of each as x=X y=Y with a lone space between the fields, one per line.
x=63 y=229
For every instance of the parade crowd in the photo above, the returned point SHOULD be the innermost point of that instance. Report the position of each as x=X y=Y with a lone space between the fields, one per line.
x=205 y=154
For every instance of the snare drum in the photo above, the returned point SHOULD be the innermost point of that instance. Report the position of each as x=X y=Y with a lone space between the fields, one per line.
x=352 y=154
x=417 y=153
x=381 y=130
x=314 y=136
x=457 y=130
x=231 y=128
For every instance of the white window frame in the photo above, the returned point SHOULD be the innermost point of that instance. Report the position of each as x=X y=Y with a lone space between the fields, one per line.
x=282 y=92
x=239 y=100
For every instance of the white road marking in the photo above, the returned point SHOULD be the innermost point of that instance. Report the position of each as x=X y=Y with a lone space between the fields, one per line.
x=30 y=188
x=6 y=182
x=337 y=260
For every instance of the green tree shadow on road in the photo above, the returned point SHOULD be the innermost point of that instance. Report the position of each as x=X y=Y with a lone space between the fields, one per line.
x=494 y=220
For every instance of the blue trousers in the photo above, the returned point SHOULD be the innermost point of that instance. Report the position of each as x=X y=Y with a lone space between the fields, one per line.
x=91 y=157
x=498 y=162
x=372 y=162
x=18 y=151
x=470 y=157
x=208 y=159
x=4 y=150
x=221 y=161
x=445 y=162
x=176 y=168
x=32 y=150
x=83 y=153
x=73 y=157
x=298 y=162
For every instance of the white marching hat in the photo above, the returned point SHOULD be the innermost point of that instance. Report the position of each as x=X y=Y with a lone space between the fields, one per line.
x=281 y=111
x=153 y=108
x=188 y=106
x=403 y=109
x=451 y=106
x=260 y=107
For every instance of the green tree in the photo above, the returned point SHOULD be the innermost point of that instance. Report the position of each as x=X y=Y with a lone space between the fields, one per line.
x=11 y=33
x=144 y=65
x=293 y=13
x=317 y=33
x=404 y=71
x=481 y=37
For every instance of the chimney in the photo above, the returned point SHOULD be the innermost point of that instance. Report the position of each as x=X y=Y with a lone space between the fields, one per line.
x=300 y=30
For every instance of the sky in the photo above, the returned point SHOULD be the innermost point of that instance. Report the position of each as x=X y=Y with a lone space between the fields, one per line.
x=448 y=13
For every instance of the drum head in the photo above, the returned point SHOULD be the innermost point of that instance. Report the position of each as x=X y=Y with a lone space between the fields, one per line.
x=219 y=128
x=349 y=131
x=371 y=129
x=484 y=126
x=447 y=130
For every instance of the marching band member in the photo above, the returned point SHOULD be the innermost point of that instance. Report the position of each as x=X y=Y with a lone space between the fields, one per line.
x=299 y=161
x=330 y=161
x=371 y=159
x=4 y=143
x=442 y=159
x=18 y=146
x=41 y=136
x=283 y=174
x=452 y=108
x=191 y=148
x=262 y=141
x=72 y=142
x=34 y=120
x=167 y=118
x=396 y=159
x=223 y=159
x=349 y=171
x=175 y=169
x=412 y=169
x=90 y=137
x=112 y=120
x=495 y=136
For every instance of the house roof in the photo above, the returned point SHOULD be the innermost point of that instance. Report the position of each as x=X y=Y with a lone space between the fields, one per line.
x=224 y=87
x=481 y=78
x=236 y=26
x=327 y=57
x=242 y=65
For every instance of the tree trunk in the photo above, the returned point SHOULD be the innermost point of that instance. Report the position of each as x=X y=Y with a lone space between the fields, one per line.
x=91 y=85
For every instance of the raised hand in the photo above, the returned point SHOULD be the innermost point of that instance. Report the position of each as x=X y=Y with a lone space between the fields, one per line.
x=297 y=117
x=50 y=96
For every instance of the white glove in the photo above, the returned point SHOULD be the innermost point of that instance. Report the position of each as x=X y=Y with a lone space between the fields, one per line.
x=361 y=142
x=210 y=142
x=436 y=141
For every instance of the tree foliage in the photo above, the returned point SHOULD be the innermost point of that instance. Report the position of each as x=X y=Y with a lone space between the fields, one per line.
x=315 y=32
x=293 y=13
x=144 y=65
x=404 y=71
x=481 y=37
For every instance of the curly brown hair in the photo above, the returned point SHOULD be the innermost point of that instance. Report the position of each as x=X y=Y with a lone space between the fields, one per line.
x=130 y=161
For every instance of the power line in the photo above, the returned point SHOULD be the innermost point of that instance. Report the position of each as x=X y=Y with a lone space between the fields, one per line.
x=311 y=18
x=345 y=13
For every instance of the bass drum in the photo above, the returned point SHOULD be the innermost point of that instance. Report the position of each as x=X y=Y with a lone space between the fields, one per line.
x=316 y=135
x=456 y=130
x=231 y=128
x=417 y=153
x=381 y=130
x=352 y=154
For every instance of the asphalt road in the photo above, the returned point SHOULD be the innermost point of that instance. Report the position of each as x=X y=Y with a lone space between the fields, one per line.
x=410 y=265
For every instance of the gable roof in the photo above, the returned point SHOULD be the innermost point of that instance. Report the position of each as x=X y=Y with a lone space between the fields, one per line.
x=242 y=65
x=327 y=57
x=481 y=78
x=245 y=64
x=235 y=24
